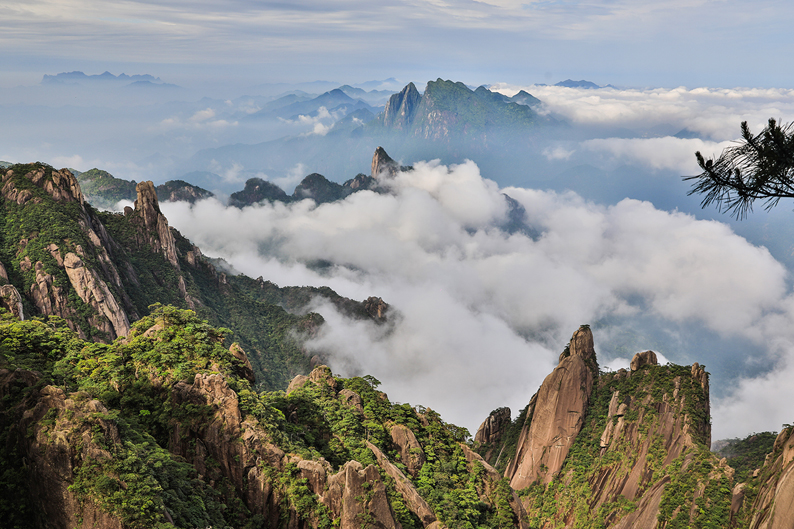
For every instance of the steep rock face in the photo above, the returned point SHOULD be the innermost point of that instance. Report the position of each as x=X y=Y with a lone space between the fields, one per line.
x=153 y=226
x=93 y=291
x=51 y=299
x=492 y=430
x=414 y=501
x=557 y=416
x=773 y=505
x=214 y=450
x=376 y=308
x=359 y=496
x=383 y=165
x=401 y=108
x=644 y=444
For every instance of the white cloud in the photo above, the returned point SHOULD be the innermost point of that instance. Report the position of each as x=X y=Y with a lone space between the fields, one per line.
x=658 y=153
x=714 y=113
x=557 y=153
x=479 y=316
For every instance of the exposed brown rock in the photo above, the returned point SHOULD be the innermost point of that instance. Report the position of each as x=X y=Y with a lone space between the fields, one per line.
x=93 y=291
x=322 y=376
x=298 y=382
x=315 y=473
x=12 y=301
x=492 y=477
x=51 y=299
x=383 y=165
x=351 y=399
x=413 y=500
x=376 y=308
x=492 y=429
x=411 y=453
x=53 y=450
x=238 y=448
x=245 y=370
x=358 y=494
x=154 y=226
x=646 y=358
x=558 y=415
x=3 y=273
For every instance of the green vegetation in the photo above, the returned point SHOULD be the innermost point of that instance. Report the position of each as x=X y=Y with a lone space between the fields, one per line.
x=746 y=455
x=127 y=470
x=103 y=189
x=648 y=393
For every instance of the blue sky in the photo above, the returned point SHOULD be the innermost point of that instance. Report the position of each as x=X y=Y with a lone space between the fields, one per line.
x=723 y=43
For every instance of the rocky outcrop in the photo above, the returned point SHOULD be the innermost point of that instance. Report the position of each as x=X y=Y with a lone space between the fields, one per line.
x=51 y=299
x=411 y=453
x=227 y=445
x=12 y=301
x=56 y=433
x=413 y=500
x=181 y=191
x=558 y=415
x=61 y=185
x=646 y=358
x=376 y=308
x=243 y=368
x=320 y=189
x=152 y=224
x=358 y=495
x=93 y=291
x=382 y=165
x=492 y=430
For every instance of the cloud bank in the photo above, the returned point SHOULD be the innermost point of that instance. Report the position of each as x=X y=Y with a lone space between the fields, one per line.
x=480 y=315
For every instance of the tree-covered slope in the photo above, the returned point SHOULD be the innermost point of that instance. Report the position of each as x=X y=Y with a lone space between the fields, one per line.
x=163 y=429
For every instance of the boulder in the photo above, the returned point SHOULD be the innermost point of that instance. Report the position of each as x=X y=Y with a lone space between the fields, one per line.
x=645 y=358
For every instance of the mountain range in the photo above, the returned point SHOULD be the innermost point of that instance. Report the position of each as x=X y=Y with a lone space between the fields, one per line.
x=124 y=404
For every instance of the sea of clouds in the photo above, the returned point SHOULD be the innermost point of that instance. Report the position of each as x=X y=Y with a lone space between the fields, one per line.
x=479 y=316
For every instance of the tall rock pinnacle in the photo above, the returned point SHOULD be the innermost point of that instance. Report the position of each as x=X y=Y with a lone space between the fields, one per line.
x=382 y=164
x=555 y=416
x=155 y=226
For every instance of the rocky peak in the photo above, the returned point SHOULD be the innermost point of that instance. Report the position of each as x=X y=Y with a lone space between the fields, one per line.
x=582 y=343
x=320 y=189
x=645 y=358
x=155 y=230
x=256 y=190
x=376 y=308
x=401 y=108
x=383 y=165
x=492 y=428
x=557 y=415
x=61 y=185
